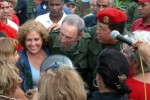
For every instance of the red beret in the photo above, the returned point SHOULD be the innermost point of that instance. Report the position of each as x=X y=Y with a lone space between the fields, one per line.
x=143 y=0
x=111 y=16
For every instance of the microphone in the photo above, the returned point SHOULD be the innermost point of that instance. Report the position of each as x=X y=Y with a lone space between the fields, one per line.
x=116 y=35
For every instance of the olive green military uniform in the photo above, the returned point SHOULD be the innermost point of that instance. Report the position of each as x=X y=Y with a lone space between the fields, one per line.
x=79 y=55
x=95 y=48
x=132 y=13
x=30 y=8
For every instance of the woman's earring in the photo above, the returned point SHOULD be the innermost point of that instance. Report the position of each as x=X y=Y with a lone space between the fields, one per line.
x=94 y=83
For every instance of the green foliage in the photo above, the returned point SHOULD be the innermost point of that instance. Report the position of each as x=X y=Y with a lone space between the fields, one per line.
x=121 y=4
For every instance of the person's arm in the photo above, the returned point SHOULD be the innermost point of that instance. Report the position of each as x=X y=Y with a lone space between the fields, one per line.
x=19 y=94
x=54 y=27
x=19 y=6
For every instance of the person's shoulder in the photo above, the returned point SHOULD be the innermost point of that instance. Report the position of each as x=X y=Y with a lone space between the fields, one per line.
x=12 y=24
x=94 y=96
x=138 y=20
x=86 y=35
x=42 y=17
x=54 y=32
x=89 y=16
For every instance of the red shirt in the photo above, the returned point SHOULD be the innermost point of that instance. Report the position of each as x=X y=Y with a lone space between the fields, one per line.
x=139 y=25
x=15 y=19
x=137 y=89
x=10 y=32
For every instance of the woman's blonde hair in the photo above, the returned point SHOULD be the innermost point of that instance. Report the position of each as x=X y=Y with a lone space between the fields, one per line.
x=30 y=26
x=61 y=83
x=14 y=2
x=9 y=78
x=8 y=48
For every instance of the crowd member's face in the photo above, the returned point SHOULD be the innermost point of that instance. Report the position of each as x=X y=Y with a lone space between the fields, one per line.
x=103 y=34
x=102 y=4
x=68 y=35
x=56 y=7
x=93 y=6
x=33 y=42
x=72 y=8
x=11 y=10
x=144 y=9
x=4 y=10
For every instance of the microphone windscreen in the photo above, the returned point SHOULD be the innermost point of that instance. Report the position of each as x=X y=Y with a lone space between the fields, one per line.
x=114 y=33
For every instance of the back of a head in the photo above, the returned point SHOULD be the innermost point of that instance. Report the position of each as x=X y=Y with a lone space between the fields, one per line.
x=142 y=36
x=61 y=83
x=8 y=48
x=2 y=34
x=9 y=78
x=112 y=65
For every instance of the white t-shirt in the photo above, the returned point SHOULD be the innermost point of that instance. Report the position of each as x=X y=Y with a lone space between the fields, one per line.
x=12 y=24
x=45 y=20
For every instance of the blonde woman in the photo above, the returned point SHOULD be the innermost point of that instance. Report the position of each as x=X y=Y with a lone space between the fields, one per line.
x=9 y=80
x=8 y=53
x=8 y=50
x=61 y=83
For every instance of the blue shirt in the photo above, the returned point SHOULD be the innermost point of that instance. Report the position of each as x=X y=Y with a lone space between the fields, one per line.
x=25 y=69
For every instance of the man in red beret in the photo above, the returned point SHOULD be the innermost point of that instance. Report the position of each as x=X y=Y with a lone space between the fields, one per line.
x=108 y=20
x=143 y=23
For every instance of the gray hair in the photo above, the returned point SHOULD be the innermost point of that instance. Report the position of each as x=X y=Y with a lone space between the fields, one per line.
x=141 y=35
x=144 y=36
x=111 y=2
x=75 y=20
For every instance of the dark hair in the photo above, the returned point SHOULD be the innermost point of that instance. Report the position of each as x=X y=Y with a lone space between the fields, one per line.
x=119 y=27
x=2 y=34
x=111 y=65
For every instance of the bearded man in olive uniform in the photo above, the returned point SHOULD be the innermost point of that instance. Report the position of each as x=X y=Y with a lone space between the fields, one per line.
x=71 y=41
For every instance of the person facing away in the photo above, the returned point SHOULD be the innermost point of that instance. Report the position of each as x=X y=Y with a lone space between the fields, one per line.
x=137 y=81
x=8 y=53
x=9 y=80
x=33 y=36
x=21 y=11
x=61 y=82
x=111 y=73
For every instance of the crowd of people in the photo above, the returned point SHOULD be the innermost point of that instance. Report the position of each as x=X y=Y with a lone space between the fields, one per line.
x=49 y=52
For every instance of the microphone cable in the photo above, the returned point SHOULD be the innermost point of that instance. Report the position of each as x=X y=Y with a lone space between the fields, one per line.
x=145 y=89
